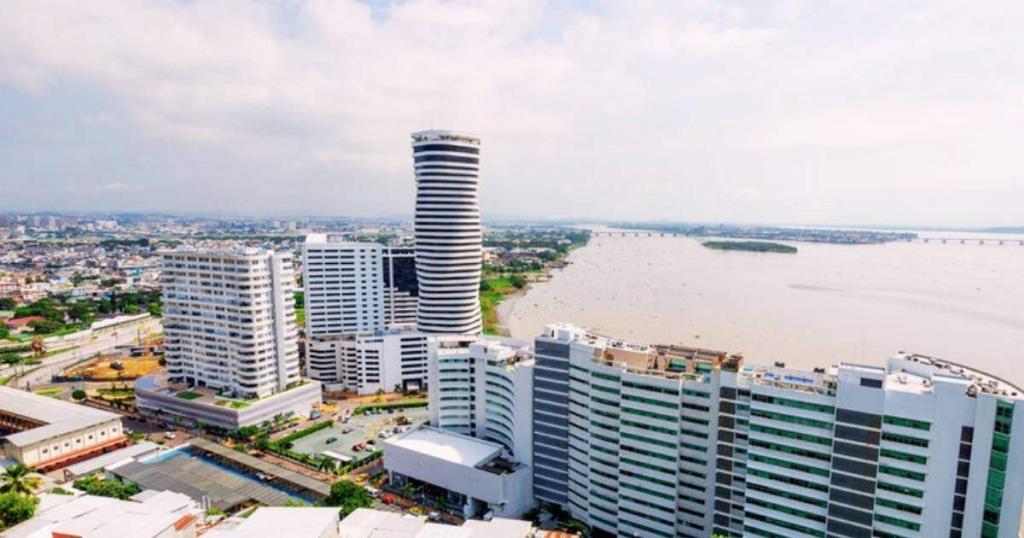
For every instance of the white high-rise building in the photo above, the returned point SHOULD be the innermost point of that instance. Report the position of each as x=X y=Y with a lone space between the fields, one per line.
x=643 y=440
x=449 y=239
x=368 y=362
x=229 y=320
x=344 y=289
x=483 y=387
x=357 y=287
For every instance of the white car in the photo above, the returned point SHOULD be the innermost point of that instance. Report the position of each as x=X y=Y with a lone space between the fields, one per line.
x=170 y=435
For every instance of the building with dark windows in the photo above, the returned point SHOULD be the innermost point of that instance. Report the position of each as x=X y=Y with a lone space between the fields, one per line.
x=667 y=441
x=448 y=234
x=551 y=417
x=401 y=288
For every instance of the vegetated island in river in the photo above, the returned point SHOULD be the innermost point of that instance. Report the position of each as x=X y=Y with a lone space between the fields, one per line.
x=750 y=246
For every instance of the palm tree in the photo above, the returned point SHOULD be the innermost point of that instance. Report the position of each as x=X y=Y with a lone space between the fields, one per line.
x=19 y=478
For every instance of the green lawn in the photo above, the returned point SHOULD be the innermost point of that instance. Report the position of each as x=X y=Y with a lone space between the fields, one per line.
x=52 y=392
x=496 y=289
x=189 y=395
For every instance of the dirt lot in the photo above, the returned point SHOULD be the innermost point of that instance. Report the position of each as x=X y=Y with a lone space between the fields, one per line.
x=101 y=369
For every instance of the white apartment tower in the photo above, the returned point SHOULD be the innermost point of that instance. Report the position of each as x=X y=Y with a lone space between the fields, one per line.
x=483 y=387
x=344 y=292
x=448 y=233
x=229 y=320
x=368 y=362
x=666 y=441
x=357 y=287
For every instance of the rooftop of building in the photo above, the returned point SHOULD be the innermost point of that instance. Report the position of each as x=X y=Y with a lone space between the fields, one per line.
x=110 y=459
x=89 y=516
x=432 y=135
x=163 y=383
x=447 y=446
x=655 y=359
x=352 y=336
x=55 y=417
x=282 y=522
x=226 y=253
x=369 y=523
x=339 y=240
x=903 y=372
x=940 y=369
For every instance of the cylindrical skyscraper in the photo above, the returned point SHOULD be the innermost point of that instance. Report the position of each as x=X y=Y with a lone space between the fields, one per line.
x=449 y=240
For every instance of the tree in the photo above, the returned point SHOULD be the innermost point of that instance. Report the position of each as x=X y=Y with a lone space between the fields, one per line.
x=46 y=326
x=325 y=465
x=20 y=479
x=348 y=496
x=81 y=313
x=15 y=508
x=8 y=303
x=4 y=331
x=78 y=394
x=107 y=488
x=517 y=281
x=10 y=357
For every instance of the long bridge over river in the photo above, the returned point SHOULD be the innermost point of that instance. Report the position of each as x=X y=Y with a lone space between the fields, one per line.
x=930 y=240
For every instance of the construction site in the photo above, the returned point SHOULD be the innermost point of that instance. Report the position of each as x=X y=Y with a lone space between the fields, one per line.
x=123 y=363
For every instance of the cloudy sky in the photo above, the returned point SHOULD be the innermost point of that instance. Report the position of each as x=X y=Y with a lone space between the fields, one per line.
x=872 y=112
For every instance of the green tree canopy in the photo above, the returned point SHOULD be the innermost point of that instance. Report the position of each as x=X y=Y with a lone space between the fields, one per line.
x=20 y=479
x=107 y=488
x=15 y=508
x=348 y=496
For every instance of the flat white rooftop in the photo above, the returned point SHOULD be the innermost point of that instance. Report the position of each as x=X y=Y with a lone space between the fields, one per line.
x=59 y=417
x=447 y=446
x=500 y=528
x=368 y=523
x=284 y=522
x=110 y=459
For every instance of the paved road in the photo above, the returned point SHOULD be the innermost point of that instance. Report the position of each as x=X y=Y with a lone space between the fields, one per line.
x=98 y=343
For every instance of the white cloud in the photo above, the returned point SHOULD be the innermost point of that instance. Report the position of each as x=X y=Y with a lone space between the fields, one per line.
x=116 y=186
x=699 y=102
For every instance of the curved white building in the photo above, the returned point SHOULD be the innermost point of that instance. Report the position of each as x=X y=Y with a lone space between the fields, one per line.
x=449 y=240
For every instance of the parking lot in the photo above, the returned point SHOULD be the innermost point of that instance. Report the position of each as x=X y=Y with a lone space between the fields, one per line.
x=359 y=429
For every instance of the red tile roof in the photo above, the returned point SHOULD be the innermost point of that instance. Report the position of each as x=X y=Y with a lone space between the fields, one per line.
x=14 y=323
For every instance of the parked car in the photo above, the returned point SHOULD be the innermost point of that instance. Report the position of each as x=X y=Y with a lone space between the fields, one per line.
x=170 y=435
x=348 y=429
x=331 y=440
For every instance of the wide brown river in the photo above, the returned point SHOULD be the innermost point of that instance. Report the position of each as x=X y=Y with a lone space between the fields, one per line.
x=822 y=305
